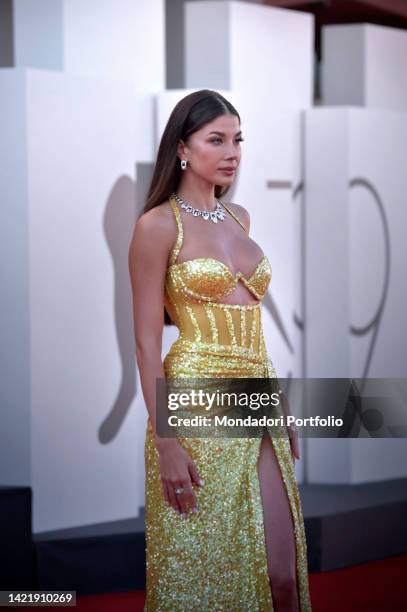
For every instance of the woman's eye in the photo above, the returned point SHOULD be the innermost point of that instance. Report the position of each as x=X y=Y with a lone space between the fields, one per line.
x=219 y=140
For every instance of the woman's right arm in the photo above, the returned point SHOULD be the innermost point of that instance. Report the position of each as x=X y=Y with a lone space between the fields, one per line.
x=152 y=240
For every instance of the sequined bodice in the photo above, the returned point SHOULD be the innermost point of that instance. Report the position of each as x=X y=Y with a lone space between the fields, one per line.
x=209 y=279
x=195 y=287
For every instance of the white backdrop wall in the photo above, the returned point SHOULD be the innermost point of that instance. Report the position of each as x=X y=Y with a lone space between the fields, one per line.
x=73 y=132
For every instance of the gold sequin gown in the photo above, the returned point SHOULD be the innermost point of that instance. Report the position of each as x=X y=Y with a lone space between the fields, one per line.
x=216 y=559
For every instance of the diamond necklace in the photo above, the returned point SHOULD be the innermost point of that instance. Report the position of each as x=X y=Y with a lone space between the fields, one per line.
x=217 y=214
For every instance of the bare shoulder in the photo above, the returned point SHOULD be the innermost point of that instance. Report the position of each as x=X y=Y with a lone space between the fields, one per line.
x=155 y=230
x=157 y=222
x=241 y=213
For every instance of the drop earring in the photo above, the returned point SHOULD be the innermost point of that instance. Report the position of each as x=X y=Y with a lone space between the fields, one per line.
x=183 y=164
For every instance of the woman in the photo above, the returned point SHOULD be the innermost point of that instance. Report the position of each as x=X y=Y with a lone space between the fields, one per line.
x=224 y=527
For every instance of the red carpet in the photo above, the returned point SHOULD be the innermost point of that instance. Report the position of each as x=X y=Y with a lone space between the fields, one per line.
x=371 y=587
x=378 y=585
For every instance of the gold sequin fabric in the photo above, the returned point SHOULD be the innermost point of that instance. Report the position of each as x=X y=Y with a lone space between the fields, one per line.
x=216 y=559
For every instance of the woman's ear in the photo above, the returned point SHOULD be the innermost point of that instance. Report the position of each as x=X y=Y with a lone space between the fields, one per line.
x=181 y=149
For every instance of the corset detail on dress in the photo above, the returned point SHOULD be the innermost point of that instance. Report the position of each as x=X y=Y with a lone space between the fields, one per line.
x=221 y=325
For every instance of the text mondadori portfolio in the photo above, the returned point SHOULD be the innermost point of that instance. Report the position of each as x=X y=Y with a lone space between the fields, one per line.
x=249 y=421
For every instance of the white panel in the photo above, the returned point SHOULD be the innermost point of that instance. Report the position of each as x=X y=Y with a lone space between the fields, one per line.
x=365 y=64
x=103 y=38
x=261 y=51
x=327 y=235
x=119 y=40
x=378 y=141
x=38 y=33
x=88 y=420
x=207 y=45
x=355 y=270
x=343 y=64
x=386 y=67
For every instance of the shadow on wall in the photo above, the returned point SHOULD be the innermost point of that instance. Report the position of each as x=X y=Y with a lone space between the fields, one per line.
x=120 y=214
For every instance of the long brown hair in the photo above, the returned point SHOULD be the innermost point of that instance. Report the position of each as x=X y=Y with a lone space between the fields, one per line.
x=189 y=115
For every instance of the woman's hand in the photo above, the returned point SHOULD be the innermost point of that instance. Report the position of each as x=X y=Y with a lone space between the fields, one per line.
x=178 y=471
